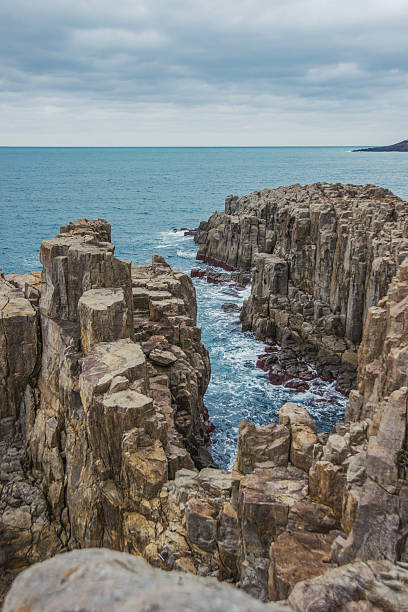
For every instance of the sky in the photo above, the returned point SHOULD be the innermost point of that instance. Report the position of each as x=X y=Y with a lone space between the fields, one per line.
x=203 y=73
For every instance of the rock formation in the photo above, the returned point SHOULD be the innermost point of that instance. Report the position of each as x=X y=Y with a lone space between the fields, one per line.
x=104 y=434
x=93 y=423
x=324 y=257
x=106 y=580
x=320 y=255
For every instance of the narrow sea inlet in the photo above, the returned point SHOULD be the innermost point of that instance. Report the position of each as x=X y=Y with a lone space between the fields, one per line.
x=145 y=194
x=238 y=389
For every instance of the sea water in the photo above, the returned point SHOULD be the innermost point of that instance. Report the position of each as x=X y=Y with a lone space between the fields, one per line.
x=147 y=193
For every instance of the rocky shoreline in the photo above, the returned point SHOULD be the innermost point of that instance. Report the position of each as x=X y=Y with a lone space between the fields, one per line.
x=104 y=432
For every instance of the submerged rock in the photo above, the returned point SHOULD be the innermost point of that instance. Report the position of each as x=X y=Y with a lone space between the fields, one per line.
x=230 y=307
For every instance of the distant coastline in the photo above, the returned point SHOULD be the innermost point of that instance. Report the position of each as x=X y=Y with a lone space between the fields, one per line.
x=399 y=147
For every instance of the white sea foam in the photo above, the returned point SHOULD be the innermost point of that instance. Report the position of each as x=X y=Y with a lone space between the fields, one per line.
x=186 y=254
x=177 y=234
x=238 y=389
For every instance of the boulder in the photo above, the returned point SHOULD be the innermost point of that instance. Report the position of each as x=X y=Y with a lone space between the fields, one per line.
x=105 y=580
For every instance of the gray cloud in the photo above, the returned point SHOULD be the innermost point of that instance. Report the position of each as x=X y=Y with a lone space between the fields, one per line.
x=187 y=72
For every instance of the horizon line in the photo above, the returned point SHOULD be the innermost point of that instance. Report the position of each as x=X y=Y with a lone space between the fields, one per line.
x=179 y=146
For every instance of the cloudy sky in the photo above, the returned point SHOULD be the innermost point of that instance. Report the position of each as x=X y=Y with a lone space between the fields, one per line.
x=212 y=72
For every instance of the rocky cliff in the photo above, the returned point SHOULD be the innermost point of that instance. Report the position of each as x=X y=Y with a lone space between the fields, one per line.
x=321 y=256
x=103 y=441
x=94 y=423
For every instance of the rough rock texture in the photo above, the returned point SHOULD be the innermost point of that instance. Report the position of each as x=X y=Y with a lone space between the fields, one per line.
x=93 y=423
x=321 y=256
x=26 y=532
x=18 y=350
x=377 y=488
x=106 y=581
x=359 y=587
x=330 y=269
x=104 y=437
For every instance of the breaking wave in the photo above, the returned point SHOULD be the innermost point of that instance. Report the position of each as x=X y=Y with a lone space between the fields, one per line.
x=238 y=389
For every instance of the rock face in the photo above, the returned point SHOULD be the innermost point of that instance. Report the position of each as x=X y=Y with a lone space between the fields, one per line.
x=321 y=256
x=378 y=503
x=343 y=251
x=93 y=423
x=104 y=437
x=399 y=147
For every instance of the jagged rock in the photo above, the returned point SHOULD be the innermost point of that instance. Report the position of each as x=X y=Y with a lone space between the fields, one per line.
x=292 y=414
x=297 y=556
x=106 y=580
x=321 y=255
x=104 y=428
x=202 y=525
x=163 y=358
x=230 y=307
x=302 y=432
x=378 y=526
x=263 y=505
x=29 y=283
x=104 y=444
x=373 y=586
x=18 y=348
x=262 y=446
x=104 y=316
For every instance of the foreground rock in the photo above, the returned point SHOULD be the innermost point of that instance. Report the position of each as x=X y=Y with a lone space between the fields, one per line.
x=359 y=587
x=100 y=579
x=107 y=581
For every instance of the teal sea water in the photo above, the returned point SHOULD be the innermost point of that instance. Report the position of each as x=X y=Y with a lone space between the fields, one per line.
x=146 y=193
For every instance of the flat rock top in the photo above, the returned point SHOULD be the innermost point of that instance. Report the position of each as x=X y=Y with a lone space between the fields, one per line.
x=13 y=303
x=101 y=299
x=104 y=581
x=107 y=360
x=80 y=242
x=29 y=278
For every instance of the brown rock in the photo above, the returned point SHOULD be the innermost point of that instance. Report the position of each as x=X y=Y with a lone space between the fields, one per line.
x=370 y=586
x=104 y=317
x=107 y=580
x=321 y=254
x=262 y=446
x=296 y=556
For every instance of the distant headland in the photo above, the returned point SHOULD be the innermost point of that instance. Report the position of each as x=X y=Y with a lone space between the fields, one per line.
x=401 y=147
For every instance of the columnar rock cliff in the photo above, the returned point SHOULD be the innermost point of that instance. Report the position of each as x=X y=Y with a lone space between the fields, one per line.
x=104 y=434
x=94 y=423
x=321 y=256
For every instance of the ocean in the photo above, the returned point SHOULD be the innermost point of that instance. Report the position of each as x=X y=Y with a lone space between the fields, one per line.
x=146 y=194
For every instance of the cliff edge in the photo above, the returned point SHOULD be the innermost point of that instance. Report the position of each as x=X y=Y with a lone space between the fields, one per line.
x=103 y=430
